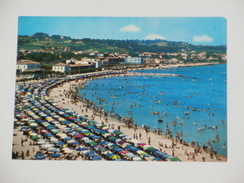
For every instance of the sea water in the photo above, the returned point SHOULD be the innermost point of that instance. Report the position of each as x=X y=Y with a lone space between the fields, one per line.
x=202 y=88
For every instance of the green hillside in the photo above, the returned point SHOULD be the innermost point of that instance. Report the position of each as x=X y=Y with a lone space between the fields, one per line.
x=41 y=41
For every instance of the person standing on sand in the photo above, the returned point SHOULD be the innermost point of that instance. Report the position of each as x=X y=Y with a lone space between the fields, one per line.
x=203 y=159
x=22 y=142
x=149 y=140
x=22 y=155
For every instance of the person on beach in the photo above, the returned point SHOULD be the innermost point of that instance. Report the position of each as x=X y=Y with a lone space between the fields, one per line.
x=149 y=140
x=22 y=155
x=203 y=159
x=22 y=142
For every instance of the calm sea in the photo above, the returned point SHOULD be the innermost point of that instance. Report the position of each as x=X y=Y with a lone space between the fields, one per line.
x=202 y=94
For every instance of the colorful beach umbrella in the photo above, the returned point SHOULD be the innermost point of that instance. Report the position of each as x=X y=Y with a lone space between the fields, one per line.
x=56 y=155
x=115 y=157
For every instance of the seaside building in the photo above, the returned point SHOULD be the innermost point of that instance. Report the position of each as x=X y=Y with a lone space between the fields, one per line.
x=76 y=67
x=24 y=65
x=61 y=67
x=29 y=67
x=133 y=60
x=113 y=60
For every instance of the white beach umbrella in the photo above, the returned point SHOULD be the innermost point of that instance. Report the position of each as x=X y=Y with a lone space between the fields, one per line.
x=68 y=151
x=136 y=158
x=47 y=146
x=41 y=141
x=33 y=134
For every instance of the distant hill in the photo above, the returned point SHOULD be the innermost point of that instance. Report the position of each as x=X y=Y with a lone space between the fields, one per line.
x=42 y=41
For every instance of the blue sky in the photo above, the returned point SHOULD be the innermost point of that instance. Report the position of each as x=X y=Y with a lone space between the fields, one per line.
x=194 y=30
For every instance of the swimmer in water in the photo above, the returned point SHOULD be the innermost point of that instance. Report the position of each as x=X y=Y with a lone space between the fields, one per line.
x=224 y=146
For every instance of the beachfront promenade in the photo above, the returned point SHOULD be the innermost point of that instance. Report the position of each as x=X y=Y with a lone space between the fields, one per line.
x=52 y=123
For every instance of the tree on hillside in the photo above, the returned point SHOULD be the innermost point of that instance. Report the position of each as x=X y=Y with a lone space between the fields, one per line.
x=55 y=36
x=40 y=35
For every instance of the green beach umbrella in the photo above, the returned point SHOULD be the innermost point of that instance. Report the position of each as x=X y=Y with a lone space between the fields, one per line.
x=35 y=137
x=149 y=148
x=174 y=159
x=118 y=132
x=92 y=143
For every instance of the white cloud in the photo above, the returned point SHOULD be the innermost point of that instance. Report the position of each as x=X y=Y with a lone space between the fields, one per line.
x=130 y=28
x=203 y=38
x=154 y=36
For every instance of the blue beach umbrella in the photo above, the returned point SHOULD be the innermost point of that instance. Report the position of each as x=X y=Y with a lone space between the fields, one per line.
x=39 y=156
x=118 y=149
x=66 y=122
x=56 y=155
x=67 y=139
x=24 y=128
x=53 y=150
x=82 y=149
x=157 y=159
x=96 y=158
x=89 y=152
x=91 y=127
x=132 y=148
x=91 y=155
x=96 y=137
x=60 y=143
x=48 y=134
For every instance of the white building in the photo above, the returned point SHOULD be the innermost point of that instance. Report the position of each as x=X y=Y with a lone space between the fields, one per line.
x=27 y=65
x=71 y=60
x=61 y=67
x=133 y=60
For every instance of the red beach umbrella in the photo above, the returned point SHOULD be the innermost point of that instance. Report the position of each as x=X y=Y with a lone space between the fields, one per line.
x=79 y=136
x=124 y=152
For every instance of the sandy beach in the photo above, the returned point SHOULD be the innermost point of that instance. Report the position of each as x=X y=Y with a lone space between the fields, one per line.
x=185 y=152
